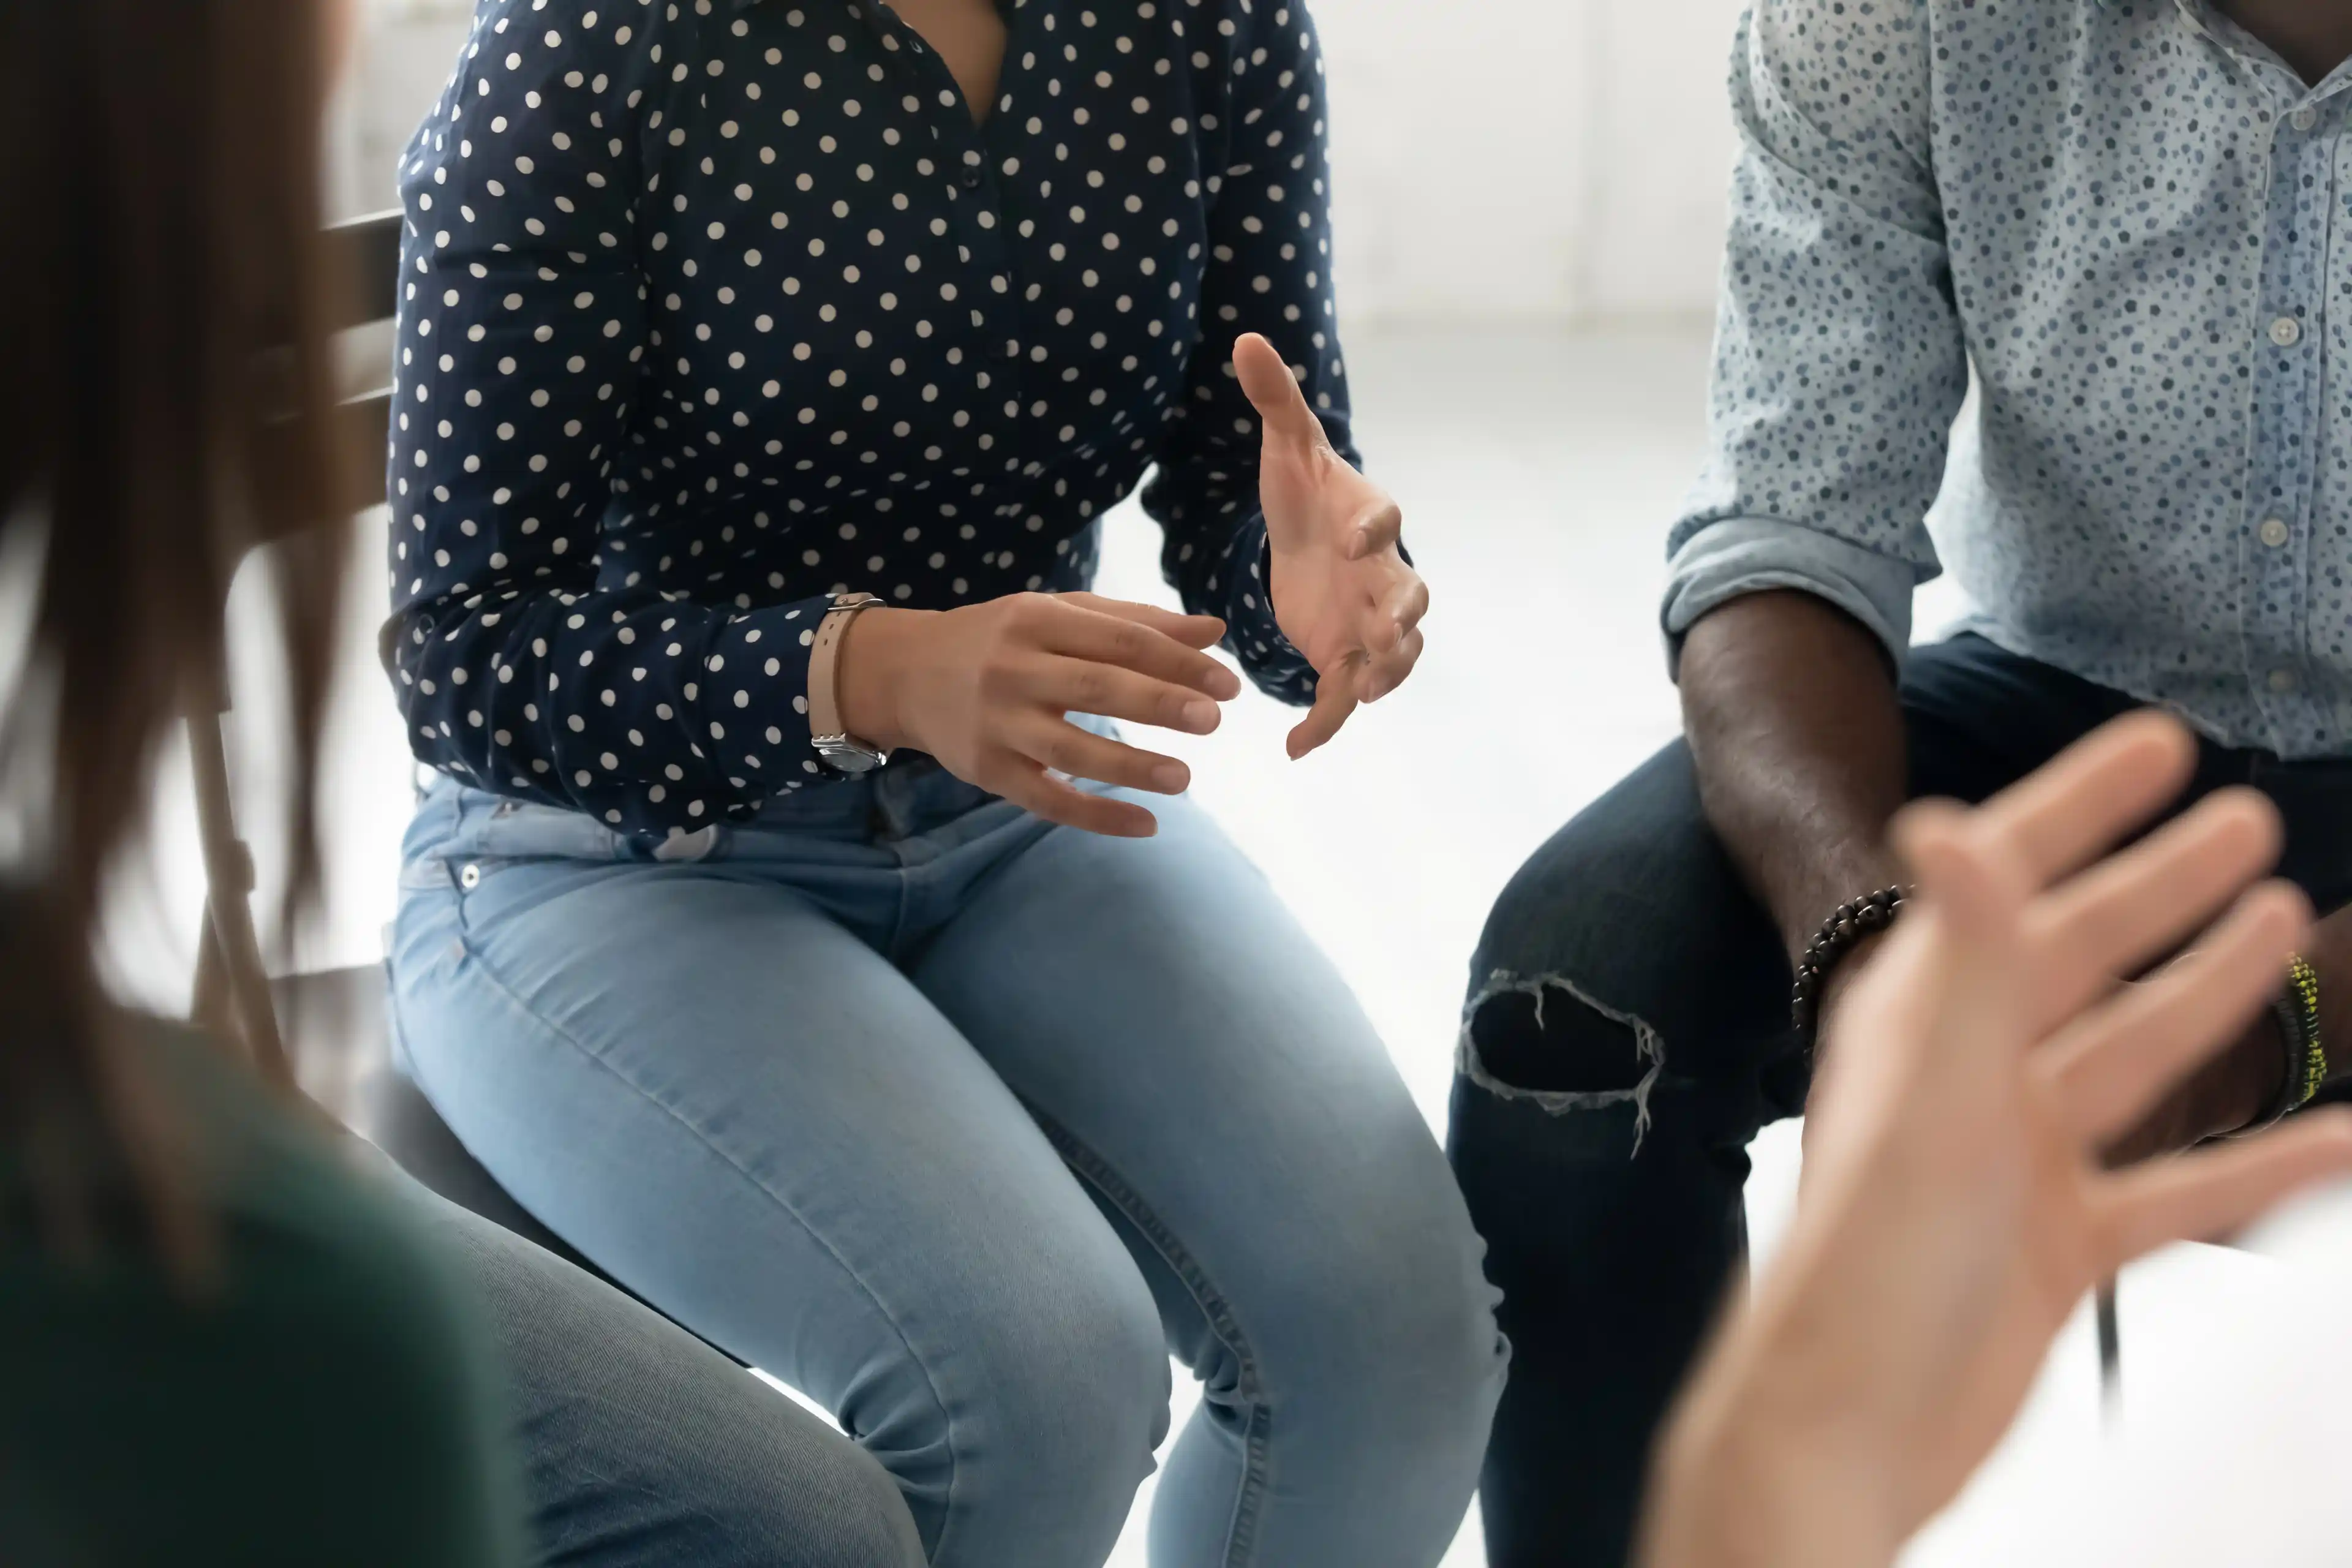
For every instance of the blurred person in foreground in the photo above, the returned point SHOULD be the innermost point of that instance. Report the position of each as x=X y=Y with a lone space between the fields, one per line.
x=1958 y=1203
x=228 y=1334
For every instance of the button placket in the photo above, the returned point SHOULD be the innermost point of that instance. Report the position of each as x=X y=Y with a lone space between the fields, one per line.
x=971 y=189
x=2289 y=399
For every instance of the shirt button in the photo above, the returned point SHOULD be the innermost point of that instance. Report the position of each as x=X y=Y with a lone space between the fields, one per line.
x=2304 y=119
x=971 y=179
x=2282 y=682
x=2274 y=534
x=2286 y=332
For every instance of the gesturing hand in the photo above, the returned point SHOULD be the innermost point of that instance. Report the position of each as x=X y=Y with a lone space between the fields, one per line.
x=1342 y=592
x=2240 y=1085
x=1958 y=1207
x=987 y=690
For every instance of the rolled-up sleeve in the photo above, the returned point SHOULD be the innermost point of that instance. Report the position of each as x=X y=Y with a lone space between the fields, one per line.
x=1840 y=359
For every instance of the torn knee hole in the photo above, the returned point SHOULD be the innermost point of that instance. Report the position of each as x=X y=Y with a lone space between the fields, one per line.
x=1546 y=1037
x=1541 y=1039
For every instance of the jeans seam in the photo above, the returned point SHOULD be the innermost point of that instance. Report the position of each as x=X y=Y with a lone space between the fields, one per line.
x=497 y=982
x=1241 y=1540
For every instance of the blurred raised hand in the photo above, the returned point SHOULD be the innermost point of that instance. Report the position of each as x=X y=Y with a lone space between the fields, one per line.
x=1958 y=1206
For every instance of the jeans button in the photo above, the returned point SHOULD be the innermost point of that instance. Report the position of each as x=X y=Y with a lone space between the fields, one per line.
x=470 y=878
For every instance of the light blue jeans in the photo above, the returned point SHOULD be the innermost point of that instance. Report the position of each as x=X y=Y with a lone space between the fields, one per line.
x=961 y=1124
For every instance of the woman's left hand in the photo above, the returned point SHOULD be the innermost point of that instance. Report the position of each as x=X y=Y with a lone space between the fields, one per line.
x=1342 y=592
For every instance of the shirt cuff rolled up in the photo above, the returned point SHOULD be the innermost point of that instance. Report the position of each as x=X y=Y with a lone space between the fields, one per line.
x=1743 y=555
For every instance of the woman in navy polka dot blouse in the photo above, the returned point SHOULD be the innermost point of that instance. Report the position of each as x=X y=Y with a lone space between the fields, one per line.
x=765 y=371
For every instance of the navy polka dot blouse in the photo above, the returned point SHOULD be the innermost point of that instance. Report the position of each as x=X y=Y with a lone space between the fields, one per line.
x=713 y=309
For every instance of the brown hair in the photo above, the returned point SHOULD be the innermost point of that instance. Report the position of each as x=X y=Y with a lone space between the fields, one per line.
x=165 y=403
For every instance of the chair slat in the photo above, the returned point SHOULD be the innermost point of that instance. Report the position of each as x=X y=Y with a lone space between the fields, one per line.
x=367 y=253
x=367 y=427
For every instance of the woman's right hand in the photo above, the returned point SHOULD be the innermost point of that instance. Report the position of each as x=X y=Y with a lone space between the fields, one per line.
x=987 y=691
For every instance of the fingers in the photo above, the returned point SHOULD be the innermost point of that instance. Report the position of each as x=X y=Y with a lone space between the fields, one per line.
x=2217 y=1191
x=1061 y=746
x=2142 y=903
x=2096 y=794
x=1192 y=631
x=1392 y=638
x=1274 y=392
x=2110 y=1067
x=1399 y=611
x=1029 y=788
x=1335 y=701
x=1376 y=530
x=1385 y=672
x=1964 y=938
x=1059 y=685
x=1139 y=642
x=1964 y=867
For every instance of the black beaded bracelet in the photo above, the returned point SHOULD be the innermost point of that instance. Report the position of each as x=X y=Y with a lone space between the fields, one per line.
x=1845 y=930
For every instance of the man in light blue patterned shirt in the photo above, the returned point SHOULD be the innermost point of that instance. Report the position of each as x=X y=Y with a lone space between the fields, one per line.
x=2132 y=220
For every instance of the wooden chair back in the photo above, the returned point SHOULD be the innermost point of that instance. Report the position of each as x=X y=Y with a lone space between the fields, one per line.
x=232 y=988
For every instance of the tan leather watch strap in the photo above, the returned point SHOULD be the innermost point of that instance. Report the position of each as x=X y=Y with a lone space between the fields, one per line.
x=825 y=658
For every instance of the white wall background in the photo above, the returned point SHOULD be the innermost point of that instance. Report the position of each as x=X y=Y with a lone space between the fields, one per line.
x=1493 y=160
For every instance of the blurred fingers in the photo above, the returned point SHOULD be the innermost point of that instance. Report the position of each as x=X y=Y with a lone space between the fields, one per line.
x=2144 y=902
x=2215 y=1192
x=1963 y=938
x=2112 y=1066
x=1962 y=864
x=2095 y=795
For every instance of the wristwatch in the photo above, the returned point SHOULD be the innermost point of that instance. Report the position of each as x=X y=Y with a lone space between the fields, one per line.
x=842 y=752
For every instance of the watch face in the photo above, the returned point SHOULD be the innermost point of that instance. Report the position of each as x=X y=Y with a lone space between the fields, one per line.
x=847 y=757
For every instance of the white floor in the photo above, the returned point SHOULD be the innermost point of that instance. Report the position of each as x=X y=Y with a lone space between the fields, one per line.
x=1537 y=475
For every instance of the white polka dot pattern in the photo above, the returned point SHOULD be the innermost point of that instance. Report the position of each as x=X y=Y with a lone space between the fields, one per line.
x=2136 y=223
x=712 y=310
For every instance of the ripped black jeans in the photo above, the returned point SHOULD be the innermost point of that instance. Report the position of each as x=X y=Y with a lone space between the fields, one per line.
x=1628 y=1036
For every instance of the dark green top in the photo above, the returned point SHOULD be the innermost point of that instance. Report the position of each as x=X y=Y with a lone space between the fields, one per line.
x=330 y=1401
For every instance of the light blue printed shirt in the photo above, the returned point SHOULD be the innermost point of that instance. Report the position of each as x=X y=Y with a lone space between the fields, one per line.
x=2136 y=221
